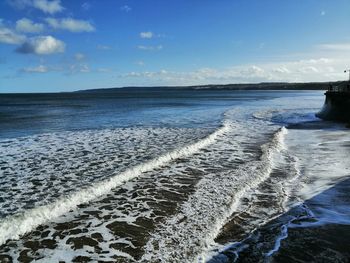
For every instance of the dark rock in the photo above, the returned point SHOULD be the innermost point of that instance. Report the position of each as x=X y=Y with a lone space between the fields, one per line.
x=79 y=242
x=75 y=231
x=45 y=233
x=5 y=259
x=66 y=225
x=97 y=236
x=81 y=259
x=48 y=243
x=34 y=245
x=23 y=256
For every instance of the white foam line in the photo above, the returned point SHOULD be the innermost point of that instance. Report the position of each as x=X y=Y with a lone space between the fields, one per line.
x=13 y=227
x=276 y=145
x=283 y=235
x=284 y=230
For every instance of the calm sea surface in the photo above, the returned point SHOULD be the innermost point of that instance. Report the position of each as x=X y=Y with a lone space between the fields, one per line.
x=169 y=175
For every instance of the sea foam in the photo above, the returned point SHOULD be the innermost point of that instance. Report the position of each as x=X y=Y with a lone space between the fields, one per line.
x=12 y=227
x=218 y=194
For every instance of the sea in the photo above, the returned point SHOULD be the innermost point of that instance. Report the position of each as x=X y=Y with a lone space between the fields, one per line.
x=172 y=175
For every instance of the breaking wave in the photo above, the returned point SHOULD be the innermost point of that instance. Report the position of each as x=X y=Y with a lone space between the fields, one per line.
x=14 y=226
x=190 y=233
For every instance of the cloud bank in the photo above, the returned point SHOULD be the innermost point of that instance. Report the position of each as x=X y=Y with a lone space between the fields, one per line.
x=320 y=69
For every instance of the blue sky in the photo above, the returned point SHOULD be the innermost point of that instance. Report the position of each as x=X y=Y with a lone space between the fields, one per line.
x=53 y=45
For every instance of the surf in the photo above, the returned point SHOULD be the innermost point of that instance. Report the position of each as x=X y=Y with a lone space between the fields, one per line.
x=14 y=226
x=190 y=234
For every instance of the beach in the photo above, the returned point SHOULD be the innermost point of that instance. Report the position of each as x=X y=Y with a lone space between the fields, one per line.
x=172 y=175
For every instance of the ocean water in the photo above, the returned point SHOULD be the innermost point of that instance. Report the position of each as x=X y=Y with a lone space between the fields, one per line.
x=169 y=175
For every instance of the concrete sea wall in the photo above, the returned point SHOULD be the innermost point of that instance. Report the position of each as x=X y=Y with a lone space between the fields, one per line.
x=336 y=107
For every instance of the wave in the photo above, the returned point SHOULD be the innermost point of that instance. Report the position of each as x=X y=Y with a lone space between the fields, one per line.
x=287 y=116
x=314 y=162
x=257 y=212
x=14 y=226
x=37 y=170
x=201 y=218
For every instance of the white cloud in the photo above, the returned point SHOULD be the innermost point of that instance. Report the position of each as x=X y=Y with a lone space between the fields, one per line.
x=252 y=71
x=71 y=68
x=140 y=63
x=70 y=24
x=8 y=36
x=79 y=68
x=79 y=56
x=84 y=68
x=147 y=34
x=103 y=70
x=308 y=69
x=38 y=69
x=314 y=61
x=103 y=47
x=125 y=8
x=50 y=7
x=42 y=45
x=86 y=6
x=20 y=4
x=281 y=70
x=335 y=46
x=150 y=48
x=28 y=26
x=47 y=6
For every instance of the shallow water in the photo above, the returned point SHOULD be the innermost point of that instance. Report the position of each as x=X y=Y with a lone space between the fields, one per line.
x=172 y=176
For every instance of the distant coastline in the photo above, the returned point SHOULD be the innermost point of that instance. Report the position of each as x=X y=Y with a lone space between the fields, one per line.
x=246 y=86
x=240 y=86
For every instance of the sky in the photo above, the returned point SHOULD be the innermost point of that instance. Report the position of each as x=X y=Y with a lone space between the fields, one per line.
x=65 y=45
